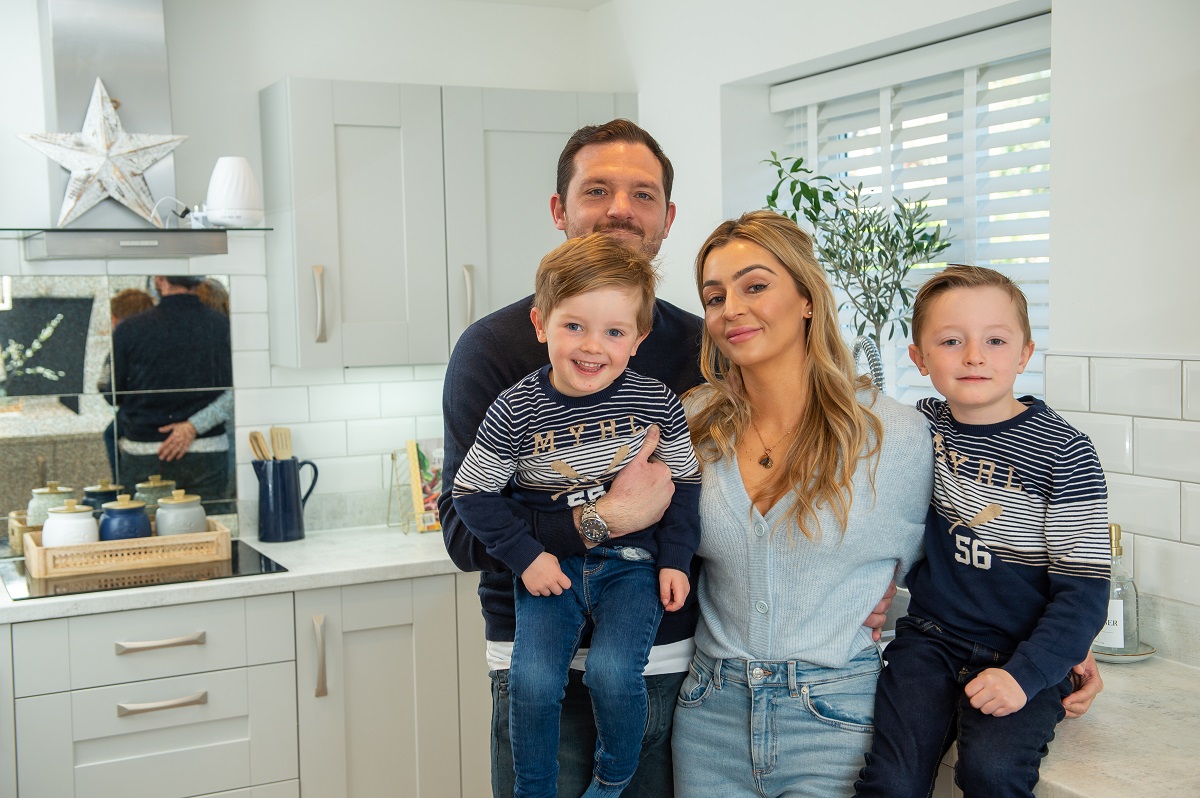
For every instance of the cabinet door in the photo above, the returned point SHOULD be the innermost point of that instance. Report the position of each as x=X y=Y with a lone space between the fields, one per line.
x=8 y=738
x=501 y=152
x=352 y=174
x=378 y=698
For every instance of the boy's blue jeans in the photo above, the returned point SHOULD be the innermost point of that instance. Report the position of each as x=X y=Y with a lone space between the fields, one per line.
x=620 y=596
x=921 y=708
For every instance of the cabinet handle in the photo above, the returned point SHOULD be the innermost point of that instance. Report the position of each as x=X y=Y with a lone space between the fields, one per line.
x=171 y=703
x=319 y=285
x=319 y=627
x=194 y=639
x=469 y=281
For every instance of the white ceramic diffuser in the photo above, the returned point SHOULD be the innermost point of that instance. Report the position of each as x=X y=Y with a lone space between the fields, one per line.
x=234 y=196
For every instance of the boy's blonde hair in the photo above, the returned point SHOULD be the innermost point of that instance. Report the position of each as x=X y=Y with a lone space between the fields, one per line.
x=591 y=263
x=962 y=276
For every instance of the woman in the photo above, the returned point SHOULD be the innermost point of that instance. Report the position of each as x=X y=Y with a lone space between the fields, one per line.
x=815 y=490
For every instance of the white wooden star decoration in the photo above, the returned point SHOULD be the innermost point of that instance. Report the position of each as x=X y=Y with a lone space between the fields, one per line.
x=105 y=161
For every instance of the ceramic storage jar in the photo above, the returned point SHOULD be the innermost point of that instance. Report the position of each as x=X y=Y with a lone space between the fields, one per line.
x=180 y=514
x=96 y=495
x=152 y=490
x=42 y=499
x=69 y=525
x=125 y=518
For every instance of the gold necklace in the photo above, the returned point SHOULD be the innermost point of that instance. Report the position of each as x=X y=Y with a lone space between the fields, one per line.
x=765 y=461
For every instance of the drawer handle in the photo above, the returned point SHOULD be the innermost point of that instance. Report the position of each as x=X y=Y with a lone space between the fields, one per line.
x=194 y=639
x=171 y=703
x=319 y=627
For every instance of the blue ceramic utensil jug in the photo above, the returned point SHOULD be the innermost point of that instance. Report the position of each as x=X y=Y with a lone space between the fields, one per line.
x=280 y=505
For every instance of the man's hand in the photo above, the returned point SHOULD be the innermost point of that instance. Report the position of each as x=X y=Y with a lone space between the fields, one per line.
x=639 y=495
x=1088 y=684
x=995 y=692
x=177 y=443
x=878 y=616
x=673 y=588
x=544 y=576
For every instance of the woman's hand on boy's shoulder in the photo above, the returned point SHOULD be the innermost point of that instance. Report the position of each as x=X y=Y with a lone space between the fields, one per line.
x=1088 y=684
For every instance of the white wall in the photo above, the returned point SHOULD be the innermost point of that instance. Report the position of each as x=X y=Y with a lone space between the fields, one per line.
x=1126 y=273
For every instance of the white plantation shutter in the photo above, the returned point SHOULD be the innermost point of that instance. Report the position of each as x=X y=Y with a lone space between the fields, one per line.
x=966 y=122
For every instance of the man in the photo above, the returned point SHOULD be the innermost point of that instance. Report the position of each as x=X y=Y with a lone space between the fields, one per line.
x=613 y=179
x=169 y=363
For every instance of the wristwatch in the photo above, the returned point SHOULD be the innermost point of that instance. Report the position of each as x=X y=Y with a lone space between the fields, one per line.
x=591 y=525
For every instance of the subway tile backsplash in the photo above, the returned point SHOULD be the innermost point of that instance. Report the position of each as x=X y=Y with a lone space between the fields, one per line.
x=1144 y=416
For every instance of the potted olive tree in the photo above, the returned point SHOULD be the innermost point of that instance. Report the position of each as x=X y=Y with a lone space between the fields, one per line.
x=867 y=251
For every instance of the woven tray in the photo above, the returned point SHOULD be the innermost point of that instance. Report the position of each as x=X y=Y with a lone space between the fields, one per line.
x=17 y=528
x=125 y=555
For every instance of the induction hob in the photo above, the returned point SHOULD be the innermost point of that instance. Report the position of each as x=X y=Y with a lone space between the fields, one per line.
x=244 y=561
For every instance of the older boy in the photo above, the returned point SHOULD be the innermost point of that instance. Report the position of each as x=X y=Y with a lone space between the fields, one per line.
x=562 y=434
x=1014 y=586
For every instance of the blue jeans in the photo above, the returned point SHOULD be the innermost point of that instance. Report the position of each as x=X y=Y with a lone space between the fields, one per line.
x=577 y=743
x=620 y=596
x=752 y=729
x=921 y=708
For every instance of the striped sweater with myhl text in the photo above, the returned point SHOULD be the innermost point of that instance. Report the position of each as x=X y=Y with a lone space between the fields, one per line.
x=1016 y=544
x=561 y=451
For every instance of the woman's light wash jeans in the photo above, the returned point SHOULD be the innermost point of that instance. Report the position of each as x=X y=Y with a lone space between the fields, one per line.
x=773 y=729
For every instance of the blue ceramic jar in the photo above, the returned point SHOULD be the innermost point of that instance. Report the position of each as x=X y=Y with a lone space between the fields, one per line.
x=96 y=496
x=124 y=519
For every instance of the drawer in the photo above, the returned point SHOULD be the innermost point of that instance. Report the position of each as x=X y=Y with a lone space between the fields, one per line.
x=95 y=650
x=182 y=736
x=281 y=789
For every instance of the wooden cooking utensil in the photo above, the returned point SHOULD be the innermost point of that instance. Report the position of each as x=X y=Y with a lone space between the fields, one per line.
x=258 y=445
x=281 y=442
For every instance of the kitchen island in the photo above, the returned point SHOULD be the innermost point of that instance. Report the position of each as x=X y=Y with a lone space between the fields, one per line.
x=358 y=604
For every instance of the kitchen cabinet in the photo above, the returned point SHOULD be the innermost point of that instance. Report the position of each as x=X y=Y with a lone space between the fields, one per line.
x=501 y=160
x=402 y=213
x=376 y=668
x=8 y=737
x=175 y=701
x=474 y=690
x=356 y=259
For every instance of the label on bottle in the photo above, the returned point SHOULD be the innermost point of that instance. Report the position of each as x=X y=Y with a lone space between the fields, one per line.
x=1113 y=633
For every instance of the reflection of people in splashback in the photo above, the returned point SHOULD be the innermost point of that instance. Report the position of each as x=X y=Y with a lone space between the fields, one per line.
x=125 y=303
x=175 y=359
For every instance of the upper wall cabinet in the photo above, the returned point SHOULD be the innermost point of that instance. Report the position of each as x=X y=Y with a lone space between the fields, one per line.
x=356 y=261
x=501 y=160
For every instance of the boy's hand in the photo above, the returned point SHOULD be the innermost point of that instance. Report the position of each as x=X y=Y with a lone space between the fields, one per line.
x=878 y=616
x=673 y=588
x=543 y=576
x=995 y=692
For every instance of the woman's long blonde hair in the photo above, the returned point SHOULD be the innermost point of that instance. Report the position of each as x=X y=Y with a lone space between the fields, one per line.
x=835 y=432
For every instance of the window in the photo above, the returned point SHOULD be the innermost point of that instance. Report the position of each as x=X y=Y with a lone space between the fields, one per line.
x=966 y=122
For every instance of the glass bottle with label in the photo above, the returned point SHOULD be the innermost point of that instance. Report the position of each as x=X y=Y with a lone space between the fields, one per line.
x=1120 y=632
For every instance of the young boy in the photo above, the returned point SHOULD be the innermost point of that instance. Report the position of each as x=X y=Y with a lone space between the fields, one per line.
x=1014 y=586
x=557 y=439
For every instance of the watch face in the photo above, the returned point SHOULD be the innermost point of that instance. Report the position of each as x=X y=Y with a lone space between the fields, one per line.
x=594 y=530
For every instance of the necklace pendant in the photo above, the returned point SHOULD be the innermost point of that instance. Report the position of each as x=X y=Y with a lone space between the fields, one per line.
x=765 y=461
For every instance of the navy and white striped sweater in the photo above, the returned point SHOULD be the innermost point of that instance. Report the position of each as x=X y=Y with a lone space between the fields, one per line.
x=1016 y=543
x=560 y=451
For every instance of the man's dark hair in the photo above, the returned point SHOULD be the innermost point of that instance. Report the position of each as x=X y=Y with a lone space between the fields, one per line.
x=183 y=281
x=618 y=130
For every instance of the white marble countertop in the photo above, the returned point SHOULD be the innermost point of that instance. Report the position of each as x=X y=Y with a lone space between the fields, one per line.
x=324 y=558
x=1141 y=737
